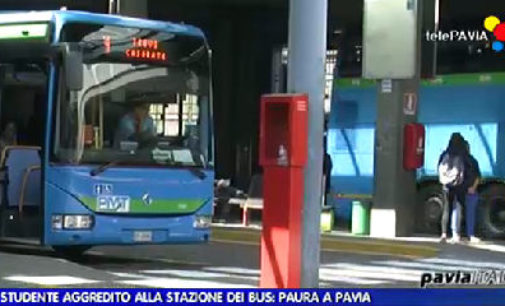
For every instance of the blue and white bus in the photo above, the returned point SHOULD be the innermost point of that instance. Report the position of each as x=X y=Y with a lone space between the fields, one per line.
x=106 y=130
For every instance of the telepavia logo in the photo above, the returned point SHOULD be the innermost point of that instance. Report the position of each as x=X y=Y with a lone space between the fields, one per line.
x=495 y=26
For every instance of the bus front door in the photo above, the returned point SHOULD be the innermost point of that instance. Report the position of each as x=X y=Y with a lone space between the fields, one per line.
x=21 y=207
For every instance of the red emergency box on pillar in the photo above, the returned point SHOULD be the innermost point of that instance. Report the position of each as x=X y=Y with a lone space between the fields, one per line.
x=283 y=155
x=413 y=146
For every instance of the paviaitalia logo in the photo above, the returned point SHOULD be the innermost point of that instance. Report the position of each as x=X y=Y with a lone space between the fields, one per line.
x=495 y=26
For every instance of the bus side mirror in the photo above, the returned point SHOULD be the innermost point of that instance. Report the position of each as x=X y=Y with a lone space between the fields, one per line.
x=73 y=66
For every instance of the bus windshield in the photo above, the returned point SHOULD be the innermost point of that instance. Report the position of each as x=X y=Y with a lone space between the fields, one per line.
x=144 y=100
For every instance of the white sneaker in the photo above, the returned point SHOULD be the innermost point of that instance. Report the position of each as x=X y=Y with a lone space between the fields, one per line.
x=455 y=239
x=443 y=238
x=474 y=239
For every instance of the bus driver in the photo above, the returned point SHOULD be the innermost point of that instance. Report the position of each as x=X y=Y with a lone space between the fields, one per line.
x=136 y=125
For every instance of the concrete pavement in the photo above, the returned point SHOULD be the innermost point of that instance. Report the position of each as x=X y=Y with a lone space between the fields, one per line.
x=224 y=264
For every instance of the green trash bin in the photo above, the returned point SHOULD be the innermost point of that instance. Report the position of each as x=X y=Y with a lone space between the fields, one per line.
x=360 y=223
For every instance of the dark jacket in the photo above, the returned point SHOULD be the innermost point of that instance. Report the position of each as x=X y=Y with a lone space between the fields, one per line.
x=472 y=172
x=327 y=166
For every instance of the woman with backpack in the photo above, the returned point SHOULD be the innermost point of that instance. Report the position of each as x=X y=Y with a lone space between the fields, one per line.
x=451 y=173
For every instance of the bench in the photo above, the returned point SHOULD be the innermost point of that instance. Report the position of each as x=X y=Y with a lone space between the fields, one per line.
x=254 y=200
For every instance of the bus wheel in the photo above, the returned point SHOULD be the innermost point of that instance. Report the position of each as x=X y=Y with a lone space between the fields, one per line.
x=429 y=209
x=491 y=212
x=74 y=251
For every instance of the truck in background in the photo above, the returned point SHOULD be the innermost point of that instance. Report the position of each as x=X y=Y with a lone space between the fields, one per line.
x=472 y=104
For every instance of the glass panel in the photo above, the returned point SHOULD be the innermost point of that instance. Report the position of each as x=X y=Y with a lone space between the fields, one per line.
x=131 y=110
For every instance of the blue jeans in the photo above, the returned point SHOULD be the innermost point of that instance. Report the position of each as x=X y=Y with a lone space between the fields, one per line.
x=456 y=217
x=470 y=212
x=452 y=209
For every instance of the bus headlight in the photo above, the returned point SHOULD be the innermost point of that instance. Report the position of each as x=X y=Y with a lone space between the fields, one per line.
x=202 y=222
x=71 y=222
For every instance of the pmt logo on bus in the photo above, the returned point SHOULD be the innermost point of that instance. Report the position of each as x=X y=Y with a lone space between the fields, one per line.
x=495 y=26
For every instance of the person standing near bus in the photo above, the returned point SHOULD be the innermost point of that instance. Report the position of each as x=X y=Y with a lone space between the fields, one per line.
x=472 y=198
x=451 y=173
x=327 y=167
x=136 y=125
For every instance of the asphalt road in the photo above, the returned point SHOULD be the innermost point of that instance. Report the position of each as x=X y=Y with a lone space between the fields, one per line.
x=223 y=265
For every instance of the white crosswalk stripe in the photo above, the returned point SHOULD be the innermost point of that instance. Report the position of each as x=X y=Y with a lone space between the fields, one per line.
x=58 y=280
x=206 y=277
x=128 y=275
x=423 y=267
x=466 y=263
x=349 y=278
x=182 y=283
x=233 y=270
x=184 y=273
x=371 y=272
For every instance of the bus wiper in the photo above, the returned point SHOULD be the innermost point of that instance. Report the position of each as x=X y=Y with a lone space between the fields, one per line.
x=103 y=167
x=193 y=170
x=197 y=172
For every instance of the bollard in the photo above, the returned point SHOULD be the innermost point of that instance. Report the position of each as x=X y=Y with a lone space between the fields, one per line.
x=360 y=222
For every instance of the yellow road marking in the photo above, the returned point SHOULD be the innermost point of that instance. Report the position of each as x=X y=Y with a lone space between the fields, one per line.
x=334 y=244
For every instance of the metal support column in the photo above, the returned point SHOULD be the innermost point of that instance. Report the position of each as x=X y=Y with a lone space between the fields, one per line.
x=132 y=8
x=394 y=202
x=113 y=6
x=306 y=63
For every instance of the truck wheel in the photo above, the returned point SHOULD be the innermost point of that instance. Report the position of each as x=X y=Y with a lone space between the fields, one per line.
x=74 y=251
x=491 y=212
x=429 y=209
